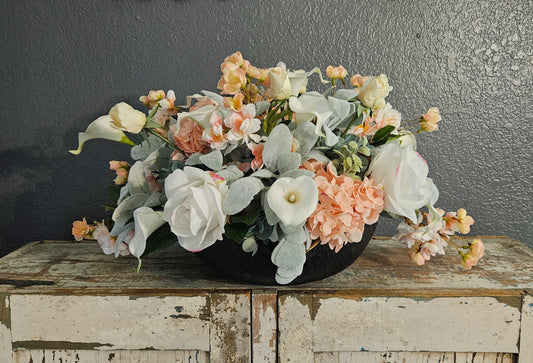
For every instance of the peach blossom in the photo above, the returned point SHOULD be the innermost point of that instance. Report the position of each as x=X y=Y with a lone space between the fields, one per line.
x=80 y=229
x=261 y=74
x=235 y=102
x=357 y=80
x=235 y=58
x=472 y=257
x=153 y=98
x=189 y=137
x=257 y=152
x=104 y=238
x=430 y=119
x=215 y=135
x=336 y=72
x=243 y=125
x=458 y=222
x=232 y=80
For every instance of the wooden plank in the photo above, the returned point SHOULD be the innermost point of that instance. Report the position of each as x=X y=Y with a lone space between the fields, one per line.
x=406 y=324
x=526 y=330
x=5 y=329
x=230 y=336
x=295 y=342
x=412 y=357
x=70 y=268
x=110 y=322
x=115 y=356
x=264 y=326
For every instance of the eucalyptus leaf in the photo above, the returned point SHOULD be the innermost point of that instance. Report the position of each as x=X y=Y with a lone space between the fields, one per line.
x=345 y=94
x=289 y=257
x=213 y=160
x=230 y=173
x=297 y=173
x=263 y=173
x=271 y=217
x=306 y=136
x=279 y=142
x=236 y=231
x=289 y=161
x=145 y=148
x=261 y=107
x=240 y=194
x=194 y=159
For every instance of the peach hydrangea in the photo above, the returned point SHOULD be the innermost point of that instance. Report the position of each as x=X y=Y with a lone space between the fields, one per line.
x=345 y=206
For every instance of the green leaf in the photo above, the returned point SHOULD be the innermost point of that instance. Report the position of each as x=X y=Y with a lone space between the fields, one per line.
x=236 y=231
x=382 y=135
x=159 y=240
x=247 y=218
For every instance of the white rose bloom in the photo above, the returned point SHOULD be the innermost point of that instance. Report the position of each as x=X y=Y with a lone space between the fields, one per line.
x=293 y=200
x=126 y=118
x=403 y=174
x=194 y=207
x=374 y=91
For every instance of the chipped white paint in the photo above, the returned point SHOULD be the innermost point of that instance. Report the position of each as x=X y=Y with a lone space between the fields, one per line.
x=295 y=328
x=412 y=357
x=113 y=322
x=526 y=330
x=264 y=326
x=5 y=331
x=405 y=324
x=230 y=328
x=116 y=356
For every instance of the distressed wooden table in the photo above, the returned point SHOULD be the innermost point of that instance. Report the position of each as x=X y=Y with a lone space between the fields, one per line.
x=67 y=302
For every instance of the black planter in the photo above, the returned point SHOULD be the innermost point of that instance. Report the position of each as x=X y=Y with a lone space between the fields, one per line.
x=228 y=257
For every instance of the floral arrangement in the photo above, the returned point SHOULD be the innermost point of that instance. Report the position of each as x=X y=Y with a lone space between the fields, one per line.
x=271 y=163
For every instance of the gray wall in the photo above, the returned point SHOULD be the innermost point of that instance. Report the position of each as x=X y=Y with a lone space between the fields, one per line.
x=64 y=63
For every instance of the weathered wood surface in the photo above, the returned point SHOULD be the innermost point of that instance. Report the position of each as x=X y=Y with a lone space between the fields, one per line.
x=264 y=326
x=5 y=329
x=526 y=331
x=451 y=324
x=383 y=270
x=115 y=356
x=230 y=328
x=412 y=357
x=110 y=322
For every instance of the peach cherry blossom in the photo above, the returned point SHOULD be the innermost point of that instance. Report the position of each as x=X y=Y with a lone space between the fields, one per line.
x=235 y=102
x=358 y=80
x=80 y=229
x=472 y=257
x=233 y=79
x=121 y=168
x=243 y=125
x=153 y=98
x=215 y=134
x=257 y=152
x=429 y=120
x=336 y=72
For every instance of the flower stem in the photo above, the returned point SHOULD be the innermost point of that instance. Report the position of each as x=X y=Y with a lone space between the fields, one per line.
x=158 y=135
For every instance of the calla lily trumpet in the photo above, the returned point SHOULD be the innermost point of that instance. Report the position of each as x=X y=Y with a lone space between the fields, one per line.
x=101 y=129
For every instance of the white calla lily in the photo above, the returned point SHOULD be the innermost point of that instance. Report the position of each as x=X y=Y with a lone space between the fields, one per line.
x=284 y=84
x=146 y=222
x=293 y=200
x=101 y=129
x=126 y=118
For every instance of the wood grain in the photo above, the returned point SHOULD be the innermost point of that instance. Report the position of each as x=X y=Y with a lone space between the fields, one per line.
x=264 y=326
x=526 y=330
x=412 y=357
x=5 y=329
x=115 y=356
x=78 y=268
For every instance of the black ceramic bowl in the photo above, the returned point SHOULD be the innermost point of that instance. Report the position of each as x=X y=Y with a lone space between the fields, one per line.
x=228 y=257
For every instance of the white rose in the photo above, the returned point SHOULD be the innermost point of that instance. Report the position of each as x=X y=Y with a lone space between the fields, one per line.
x=194 y=207
x=403 y=174
x=126 y=118
x=374 y=91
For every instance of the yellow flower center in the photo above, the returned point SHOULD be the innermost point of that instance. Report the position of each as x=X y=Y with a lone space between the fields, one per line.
x=291 y=198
